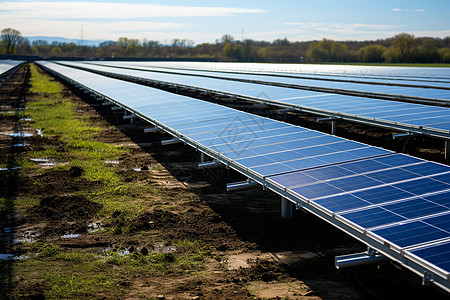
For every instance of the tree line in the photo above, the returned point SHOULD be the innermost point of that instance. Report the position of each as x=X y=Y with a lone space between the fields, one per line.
x=402 y=48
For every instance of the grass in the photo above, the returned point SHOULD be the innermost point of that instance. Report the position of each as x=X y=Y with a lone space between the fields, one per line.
x=75 y=275
x=57 y=117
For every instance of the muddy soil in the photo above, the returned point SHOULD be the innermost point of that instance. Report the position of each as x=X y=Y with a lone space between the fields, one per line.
x=257 y=254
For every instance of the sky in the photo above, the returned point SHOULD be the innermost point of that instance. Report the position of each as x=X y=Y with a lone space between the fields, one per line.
x=206 y=21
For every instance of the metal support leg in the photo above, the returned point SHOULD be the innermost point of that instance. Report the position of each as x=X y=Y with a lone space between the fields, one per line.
x=333 y=127
x=447 y=149
x=286 y=208
x=202 y=157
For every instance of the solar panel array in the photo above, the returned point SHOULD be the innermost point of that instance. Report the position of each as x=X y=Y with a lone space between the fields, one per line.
x=410 y=117
x=391 y=73
x=395 y=203
x=8 y=66
x=433 y=89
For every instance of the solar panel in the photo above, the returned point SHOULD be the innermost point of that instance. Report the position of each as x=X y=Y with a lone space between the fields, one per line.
x=6 y=66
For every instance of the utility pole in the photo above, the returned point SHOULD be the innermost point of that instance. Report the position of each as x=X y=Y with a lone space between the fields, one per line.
x=81 y=41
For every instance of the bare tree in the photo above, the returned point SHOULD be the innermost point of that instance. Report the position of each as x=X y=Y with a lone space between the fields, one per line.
x=10 y=38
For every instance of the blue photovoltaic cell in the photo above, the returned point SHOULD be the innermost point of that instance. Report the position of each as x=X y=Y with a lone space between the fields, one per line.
x=367 y=197
x=437 y=254
x=417 y=232
x=373 y=217
x=396 y=212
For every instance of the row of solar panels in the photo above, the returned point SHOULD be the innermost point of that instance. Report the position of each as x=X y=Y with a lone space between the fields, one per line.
x=395 y=203
x=408 y=117
x=406 y=87
x=333 y=71
x=8 y=66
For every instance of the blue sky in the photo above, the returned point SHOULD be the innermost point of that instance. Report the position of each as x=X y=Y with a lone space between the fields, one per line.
x=206 y=21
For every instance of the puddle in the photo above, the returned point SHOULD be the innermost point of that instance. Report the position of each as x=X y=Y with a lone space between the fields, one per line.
x=27 y=237
x=39 y=160
x=115 y=162
x=7 y=112
x=94 y=227
x=7 y=169
x=39 y=132
x=25 y=119
x=107 y=251
x=161 y=248
x=11 y=256
x=46 y=162
x=70 y=236
x=18 y=134
x=6 y=256
x=20 y=145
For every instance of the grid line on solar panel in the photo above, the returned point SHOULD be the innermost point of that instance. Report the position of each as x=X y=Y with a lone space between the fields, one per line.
x=398 y=211
x=397 y=188
x=414 y=233
x=438 y=254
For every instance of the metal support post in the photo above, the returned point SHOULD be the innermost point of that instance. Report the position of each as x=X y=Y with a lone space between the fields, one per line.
x=286 y=208
x=333 y=127
x=333 y=121
x=202 y=157
x=447 y=149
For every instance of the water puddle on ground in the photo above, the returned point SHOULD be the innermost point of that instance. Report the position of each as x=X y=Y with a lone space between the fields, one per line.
x=110 y=251
x=39 y=132
x=27 y=236
x=114 y=162
x=19 y=145
x=12 y=257
x=8 y=169
x=70 y=236
x=162 y=248
x=94 y=227
x=47 y=162
x=18 y=134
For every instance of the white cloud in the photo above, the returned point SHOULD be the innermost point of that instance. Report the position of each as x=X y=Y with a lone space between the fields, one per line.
x=405 y=9
x=299 y=31
x=102 y=10
x=101 y=20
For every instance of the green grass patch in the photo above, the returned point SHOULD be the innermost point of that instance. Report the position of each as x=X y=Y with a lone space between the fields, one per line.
x=75 y=275
x=56 y=116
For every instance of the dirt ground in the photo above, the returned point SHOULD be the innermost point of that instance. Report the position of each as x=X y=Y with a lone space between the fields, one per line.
x=256 y=253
